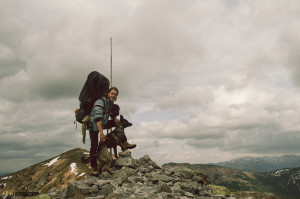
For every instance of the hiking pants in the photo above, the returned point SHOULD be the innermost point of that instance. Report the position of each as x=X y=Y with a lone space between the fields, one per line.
x=94 y=147
x=94 y=136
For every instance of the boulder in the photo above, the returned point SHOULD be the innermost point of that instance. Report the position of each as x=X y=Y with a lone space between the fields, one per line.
x=125 y=160
x=219 y=190
x=164 y=188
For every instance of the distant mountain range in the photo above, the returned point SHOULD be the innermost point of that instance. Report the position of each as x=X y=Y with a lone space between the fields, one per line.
x=284 y=182
x=262 y=164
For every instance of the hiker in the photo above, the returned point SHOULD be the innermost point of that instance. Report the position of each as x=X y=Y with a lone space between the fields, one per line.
x=99 y=117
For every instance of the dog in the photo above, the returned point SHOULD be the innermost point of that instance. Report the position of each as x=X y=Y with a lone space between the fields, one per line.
x=115 y=138
x=118 y=138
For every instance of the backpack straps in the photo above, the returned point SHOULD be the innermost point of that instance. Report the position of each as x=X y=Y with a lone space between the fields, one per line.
x=104 y=108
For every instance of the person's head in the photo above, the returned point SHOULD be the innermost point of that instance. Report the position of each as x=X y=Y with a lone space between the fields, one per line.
x=112 y=94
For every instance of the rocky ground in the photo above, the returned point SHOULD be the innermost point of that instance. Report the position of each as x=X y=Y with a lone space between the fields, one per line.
x=142 y=178
x=65 y=176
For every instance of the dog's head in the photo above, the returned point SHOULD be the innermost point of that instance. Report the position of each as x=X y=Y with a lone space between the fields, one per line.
x=114 y=112
x=124 y=123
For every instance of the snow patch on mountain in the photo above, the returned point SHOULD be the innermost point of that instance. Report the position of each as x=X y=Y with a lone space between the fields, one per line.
x=51 y=162
x=279 y=172
x=5 y=178
x=73 y=168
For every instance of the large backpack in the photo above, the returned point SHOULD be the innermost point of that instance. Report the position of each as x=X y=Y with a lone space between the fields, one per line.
x=94 y=88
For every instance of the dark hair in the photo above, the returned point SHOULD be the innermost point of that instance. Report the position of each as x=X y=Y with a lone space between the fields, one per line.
x=112 y=88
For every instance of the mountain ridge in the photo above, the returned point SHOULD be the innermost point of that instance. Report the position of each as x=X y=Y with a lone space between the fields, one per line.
x=262 y=164
x=42 y=177
x=282 y=182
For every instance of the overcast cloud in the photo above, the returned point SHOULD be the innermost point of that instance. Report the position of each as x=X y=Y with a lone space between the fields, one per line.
x=202 y=81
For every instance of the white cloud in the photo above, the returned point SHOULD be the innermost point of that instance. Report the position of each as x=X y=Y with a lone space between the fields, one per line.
x=195 y=78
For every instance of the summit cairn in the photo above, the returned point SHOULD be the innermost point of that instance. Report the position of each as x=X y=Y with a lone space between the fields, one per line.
x=141 y=178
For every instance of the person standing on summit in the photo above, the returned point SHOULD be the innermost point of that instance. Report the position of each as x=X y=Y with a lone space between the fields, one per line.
x=99 y=118
x=96 y=106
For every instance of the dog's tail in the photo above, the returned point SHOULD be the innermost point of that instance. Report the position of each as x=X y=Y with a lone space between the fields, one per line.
x=85 y=160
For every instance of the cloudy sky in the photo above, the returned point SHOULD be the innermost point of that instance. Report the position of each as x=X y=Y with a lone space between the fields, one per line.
x=202 y=81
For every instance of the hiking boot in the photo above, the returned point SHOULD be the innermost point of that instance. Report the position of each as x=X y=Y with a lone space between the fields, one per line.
x=95 y=173
x=126 y=145
x=94 y=166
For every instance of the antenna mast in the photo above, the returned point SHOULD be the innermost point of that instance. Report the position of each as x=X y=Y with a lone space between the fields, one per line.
x=111 y=62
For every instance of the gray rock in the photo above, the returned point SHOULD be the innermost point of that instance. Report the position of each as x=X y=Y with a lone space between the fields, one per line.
x=191 y=187
x=125 y=153
x=188 y=194
x=106 y=189
x=205 y=193
x=127 y=162
x=163 y=178
x=90 y=180
x=116 y=182
x=156 y=166
x=42 y=196
x=184 y=197
x=145 y=160
x=62 y=193
x=135 y=179
x=103 y=182
x=146 y=170
x=186 y=173
x=164 y=188
x=105 y=176
x=199 y=179
x=168 y=172
x=123 y=174
x=80 y=188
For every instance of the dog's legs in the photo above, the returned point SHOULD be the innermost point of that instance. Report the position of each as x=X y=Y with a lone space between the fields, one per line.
x=115 y=151
x=123 y=147
x=108 y=167
x=101 y=166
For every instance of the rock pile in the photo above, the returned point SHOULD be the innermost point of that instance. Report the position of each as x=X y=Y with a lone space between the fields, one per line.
x=141 y=178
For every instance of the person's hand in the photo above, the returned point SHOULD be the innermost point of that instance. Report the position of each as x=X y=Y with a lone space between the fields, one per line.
x=117 y=120
x=102 y=137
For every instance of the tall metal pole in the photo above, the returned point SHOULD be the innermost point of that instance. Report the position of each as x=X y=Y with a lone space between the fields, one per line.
x=110 y=80
x=110 y=62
